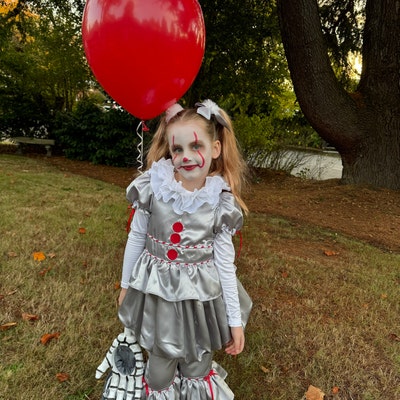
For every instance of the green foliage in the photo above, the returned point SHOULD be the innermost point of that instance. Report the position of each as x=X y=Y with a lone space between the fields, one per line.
x=244 y=57
x=44 y=72
x=255 y=135
x=24 y=106
x=100 y=136
x=264 y=140
x=343 y=25
x=296 y=131
x=42 y=69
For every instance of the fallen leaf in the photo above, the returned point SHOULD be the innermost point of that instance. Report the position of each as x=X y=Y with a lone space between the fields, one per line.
x=51 y=255
x=62 y=376
x=82 y=231
x=117 y=285
x=12 y=254
x=331 y=253
x=30 y=317
x=44 y=271
x=264 y=369
x=394 y=337
x=7 y=326
x=313 y=393
x=335 y=390
x=285 y=274
x=48 y=336
x=39 y=256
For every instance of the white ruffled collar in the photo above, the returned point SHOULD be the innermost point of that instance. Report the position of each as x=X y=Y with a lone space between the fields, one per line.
x=166 y=187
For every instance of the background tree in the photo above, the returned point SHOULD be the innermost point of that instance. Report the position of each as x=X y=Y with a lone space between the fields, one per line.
x=42 y=68
x=245 y=71
x=43 y=72
x=363 y=125
x=242 y=45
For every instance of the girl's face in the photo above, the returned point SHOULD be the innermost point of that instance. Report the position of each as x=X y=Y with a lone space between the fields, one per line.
x=192 y=151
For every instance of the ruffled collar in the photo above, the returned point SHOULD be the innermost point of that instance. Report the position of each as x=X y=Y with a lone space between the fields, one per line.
x=166 y=187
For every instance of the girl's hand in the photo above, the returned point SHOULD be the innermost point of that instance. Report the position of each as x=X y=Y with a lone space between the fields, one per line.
x=121 y=296
x=236 y=345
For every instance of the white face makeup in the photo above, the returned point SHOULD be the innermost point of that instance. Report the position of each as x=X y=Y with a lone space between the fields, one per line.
x=192 y=152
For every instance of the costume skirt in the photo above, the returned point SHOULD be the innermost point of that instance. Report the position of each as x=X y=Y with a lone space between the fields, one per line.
x=175 y=330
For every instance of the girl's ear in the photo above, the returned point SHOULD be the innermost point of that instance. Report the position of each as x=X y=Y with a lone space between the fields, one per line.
x=216 y=149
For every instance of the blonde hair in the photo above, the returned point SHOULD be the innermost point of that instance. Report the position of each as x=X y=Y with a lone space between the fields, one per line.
x=230 y=163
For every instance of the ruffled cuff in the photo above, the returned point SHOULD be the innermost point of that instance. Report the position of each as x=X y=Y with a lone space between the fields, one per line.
x=229 y=217
x=210 y=387
x=227 y=229
x=139 y=192
x=213 y=385
x=139 y=208
x=170 y=393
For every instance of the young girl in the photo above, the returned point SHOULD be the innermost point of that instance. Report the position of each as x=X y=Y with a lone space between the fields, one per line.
x=179 y=288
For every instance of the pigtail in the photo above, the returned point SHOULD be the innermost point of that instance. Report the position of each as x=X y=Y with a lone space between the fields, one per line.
x=231 y=164
x=159 y=144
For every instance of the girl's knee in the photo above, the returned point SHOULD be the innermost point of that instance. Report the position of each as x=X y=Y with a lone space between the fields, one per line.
x=160 y=373
x=198 y=368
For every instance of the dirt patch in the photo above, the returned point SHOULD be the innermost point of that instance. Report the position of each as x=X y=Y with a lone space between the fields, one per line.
x=371 y=215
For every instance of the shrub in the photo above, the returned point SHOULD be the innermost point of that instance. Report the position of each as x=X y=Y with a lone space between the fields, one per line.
x=101 y=136
x=255 y=136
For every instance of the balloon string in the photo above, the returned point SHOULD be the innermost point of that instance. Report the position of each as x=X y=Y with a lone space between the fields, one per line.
x=139 y=131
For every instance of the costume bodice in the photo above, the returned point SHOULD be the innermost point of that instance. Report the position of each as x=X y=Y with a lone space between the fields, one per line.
x=178 y=261
x=186 y=238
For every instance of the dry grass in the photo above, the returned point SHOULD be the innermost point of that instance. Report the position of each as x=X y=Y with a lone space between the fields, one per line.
x=329 y=321
x=42 y=211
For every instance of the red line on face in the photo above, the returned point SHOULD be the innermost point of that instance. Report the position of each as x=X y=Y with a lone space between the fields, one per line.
x=203 y=161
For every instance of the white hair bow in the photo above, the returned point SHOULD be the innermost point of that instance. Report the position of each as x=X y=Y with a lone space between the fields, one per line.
x=172 y=111
x=207 y=108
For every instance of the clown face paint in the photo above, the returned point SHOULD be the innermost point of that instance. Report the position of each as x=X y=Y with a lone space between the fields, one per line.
x=192 y=152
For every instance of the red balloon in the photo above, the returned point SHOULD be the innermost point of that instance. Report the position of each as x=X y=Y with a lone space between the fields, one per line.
x=144 y=53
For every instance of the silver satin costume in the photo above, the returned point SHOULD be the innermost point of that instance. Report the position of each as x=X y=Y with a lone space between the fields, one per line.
x=174 y=303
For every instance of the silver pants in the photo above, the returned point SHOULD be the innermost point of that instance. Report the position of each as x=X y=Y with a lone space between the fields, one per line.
x=160 y=372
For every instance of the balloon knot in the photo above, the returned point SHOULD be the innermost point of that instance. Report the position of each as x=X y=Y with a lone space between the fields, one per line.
x=145 y=128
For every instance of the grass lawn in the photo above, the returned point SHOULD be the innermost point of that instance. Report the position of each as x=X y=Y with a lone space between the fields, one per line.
x=328 y=320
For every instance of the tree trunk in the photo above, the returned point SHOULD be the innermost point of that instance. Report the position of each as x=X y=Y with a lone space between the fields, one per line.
x=363 y=126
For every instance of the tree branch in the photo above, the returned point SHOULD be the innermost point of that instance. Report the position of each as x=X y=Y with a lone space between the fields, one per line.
x=317 y=89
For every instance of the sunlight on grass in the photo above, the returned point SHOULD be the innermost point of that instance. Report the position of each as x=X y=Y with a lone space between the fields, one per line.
x=326 y=307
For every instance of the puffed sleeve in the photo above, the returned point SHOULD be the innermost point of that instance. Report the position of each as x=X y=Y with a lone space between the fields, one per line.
x=139 y=192
x=228 y=216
